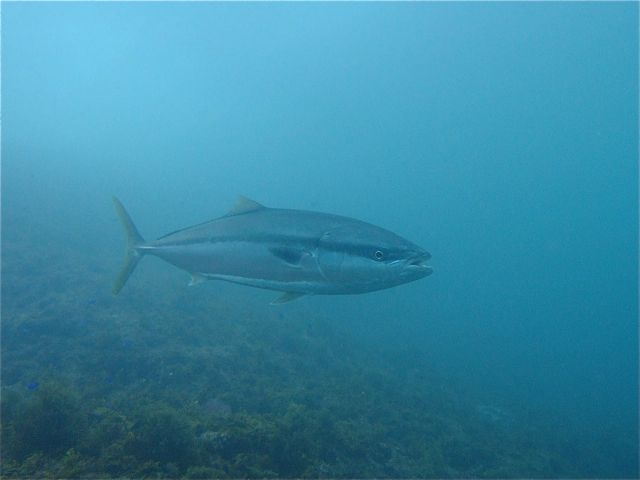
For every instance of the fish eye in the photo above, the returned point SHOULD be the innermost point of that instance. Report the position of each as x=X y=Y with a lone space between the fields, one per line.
x=378 y=255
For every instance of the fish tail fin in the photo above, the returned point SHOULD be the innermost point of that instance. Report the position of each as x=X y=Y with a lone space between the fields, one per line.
x=133 y=254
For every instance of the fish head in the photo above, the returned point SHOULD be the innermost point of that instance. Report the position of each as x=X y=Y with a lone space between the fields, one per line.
x=361 y=258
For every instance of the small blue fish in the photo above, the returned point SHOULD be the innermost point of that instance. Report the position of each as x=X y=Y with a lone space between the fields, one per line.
x=33 y=385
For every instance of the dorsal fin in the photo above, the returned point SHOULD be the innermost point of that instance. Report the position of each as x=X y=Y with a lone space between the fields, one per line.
x=244 y=205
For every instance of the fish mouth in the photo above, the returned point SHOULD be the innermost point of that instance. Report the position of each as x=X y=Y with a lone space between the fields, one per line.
x=419 y=264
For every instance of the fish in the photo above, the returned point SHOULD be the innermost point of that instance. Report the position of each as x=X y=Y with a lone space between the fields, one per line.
x=295 y=252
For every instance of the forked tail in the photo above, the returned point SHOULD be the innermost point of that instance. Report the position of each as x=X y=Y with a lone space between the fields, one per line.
x=134 y=240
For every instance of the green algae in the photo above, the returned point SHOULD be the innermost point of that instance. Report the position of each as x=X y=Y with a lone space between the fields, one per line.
x=190 y=384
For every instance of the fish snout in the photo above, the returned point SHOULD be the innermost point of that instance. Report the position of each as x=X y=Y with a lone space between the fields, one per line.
x=417 y=264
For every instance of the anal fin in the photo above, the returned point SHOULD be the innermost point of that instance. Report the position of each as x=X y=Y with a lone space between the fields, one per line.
x=287 y=297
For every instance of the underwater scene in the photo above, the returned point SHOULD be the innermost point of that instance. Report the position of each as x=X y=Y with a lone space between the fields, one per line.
x=319 y=240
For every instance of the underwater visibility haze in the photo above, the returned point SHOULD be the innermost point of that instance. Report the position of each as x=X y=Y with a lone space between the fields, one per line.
x=500 y=137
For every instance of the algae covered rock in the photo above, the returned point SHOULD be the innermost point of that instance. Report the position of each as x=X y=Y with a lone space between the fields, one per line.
x=51 y=422
x=162 y=434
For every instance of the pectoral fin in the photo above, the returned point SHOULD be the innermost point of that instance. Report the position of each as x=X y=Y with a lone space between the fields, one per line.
x=287 y=297
x=291 y=255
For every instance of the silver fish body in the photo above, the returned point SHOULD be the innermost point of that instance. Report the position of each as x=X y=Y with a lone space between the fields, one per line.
x=294 y=251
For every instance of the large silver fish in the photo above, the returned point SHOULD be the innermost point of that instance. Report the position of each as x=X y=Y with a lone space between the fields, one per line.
x=293 y=251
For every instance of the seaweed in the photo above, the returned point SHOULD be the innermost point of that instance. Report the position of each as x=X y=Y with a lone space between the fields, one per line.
x=49 y=423
x=161 y=434
x=204 y=384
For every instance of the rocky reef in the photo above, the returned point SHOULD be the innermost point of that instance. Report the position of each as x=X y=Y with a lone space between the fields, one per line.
x=169 y=382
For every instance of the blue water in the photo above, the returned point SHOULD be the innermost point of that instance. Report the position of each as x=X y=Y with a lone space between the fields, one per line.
x=501 y=137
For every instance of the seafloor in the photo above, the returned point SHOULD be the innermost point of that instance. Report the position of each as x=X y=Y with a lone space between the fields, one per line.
x=168 y=381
